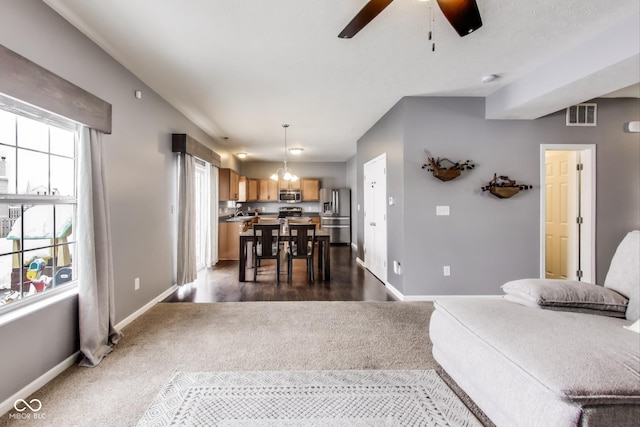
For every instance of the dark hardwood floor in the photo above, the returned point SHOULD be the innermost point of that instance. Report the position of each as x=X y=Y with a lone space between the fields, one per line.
x=349 y=282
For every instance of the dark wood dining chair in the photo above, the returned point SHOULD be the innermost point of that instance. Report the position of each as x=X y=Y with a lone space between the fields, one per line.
x=301 y=240
x=266 y=245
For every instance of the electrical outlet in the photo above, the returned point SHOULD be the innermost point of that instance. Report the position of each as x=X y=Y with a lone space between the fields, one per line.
x=446 y=270
x=136 y=284
x=397 y=268
x=442 y=210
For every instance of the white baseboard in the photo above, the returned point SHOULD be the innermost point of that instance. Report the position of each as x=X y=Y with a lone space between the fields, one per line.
x=133 y=316
x=39 y=382
x=402 y=297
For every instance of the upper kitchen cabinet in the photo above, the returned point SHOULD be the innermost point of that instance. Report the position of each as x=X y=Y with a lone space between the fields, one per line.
x=248 y=189
x=229 y=184
x=267 y=190
x=289 y=185
x=310 y=188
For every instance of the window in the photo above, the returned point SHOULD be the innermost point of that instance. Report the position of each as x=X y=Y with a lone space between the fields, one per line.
x=37 y=205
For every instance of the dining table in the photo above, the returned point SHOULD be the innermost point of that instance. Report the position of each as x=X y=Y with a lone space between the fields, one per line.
x=322 y=239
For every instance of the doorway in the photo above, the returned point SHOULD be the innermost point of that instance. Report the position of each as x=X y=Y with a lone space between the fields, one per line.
x=375 y=216
x=567 y=212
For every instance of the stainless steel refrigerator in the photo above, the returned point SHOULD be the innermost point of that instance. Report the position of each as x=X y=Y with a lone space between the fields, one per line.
x=335 y=213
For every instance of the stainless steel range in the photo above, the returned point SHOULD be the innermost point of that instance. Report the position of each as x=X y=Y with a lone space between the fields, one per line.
x=289 y=211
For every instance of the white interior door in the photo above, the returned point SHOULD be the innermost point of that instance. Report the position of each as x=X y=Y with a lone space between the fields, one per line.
x=375 y=216
x=567 y=212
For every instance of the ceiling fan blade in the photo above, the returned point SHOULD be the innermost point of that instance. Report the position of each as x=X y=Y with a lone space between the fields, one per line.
x=366 y=15
x=463 y=15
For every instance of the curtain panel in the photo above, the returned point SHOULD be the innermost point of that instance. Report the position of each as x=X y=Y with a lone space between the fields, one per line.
x=94 y=257
x=187 y=269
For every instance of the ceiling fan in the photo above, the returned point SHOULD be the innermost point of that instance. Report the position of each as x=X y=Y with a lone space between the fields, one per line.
x=463 y=15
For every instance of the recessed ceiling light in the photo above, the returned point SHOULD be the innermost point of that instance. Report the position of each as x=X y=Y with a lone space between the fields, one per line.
x=296 y=150
x=241 y=155
x=489 y=78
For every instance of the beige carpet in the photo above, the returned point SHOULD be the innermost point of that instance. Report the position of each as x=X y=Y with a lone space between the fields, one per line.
x=233 y=337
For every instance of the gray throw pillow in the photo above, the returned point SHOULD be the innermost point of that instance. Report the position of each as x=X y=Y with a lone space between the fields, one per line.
x=624 y=273
x=566 y=295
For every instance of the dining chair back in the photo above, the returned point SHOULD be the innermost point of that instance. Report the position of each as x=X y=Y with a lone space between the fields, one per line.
x=266 y=245
x=301 y=245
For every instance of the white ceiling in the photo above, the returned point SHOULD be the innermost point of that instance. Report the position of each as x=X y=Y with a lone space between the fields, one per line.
x=241 y=68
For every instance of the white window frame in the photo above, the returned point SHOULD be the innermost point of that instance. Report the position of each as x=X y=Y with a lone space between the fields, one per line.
x=26 y=305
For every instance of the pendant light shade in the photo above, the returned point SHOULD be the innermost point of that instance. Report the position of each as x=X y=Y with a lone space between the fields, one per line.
x=286 y=174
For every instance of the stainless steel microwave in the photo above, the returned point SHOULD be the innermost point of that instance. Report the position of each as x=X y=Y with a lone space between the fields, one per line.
x=289 y=196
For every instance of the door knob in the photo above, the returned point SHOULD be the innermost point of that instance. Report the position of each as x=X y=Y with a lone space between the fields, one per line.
x=373 y=224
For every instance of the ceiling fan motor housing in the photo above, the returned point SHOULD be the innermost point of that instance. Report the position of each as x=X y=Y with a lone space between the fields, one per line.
x=463 y=15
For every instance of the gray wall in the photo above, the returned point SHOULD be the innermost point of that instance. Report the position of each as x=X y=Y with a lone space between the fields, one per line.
x=387 y=136
x=141 y=178
x=485 y=240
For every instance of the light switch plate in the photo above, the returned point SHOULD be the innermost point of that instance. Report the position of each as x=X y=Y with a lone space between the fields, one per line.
x=442 y=210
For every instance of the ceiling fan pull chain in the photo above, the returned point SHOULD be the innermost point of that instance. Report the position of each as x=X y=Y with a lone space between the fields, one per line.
x=431 y=21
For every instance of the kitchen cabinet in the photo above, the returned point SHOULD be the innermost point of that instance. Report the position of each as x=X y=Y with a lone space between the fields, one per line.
x=267 y=190
x=248 y=189
x=289 y=185
x=229 y=239
x=229 y=184
x=310 y=188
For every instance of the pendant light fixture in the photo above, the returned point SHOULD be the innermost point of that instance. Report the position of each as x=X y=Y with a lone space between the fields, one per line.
x=286 y=174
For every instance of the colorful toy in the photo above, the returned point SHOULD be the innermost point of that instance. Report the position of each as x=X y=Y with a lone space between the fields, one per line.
x=36 y=267
x=35 y=276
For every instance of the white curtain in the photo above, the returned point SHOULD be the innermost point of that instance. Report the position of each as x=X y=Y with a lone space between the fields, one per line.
x=212 y=258
x=94 y=261
x=187 y=269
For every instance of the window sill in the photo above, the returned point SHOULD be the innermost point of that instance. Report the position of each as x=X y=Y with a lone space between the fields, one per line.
x=17 y=310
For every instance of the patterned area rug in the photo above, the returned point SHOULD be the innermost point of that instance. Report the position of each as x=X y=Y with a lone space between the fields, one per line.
x=309 y=398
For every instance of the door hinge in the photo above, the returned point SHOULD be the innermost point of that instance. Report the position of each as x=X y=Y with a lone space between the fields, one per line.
x=579 y=220
x=579 y=274
x=580 y=166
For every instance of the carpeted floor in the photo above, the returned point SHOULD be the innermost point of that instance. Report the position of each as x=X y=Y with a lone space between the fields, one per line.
x=248 y=336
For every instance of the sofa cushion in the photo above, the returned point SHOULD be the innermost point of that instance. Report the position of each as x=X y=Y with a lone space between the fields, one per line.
x=624 y=273
x=566 y=295
x=530 y=367
x=580 y=358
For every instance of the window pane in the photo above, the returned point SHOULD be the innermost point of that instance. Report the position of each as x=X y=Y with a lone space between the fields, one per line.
x=7 y=170
x=62 y=176
x=37 y=272
x=38 y=228
x=32 y=134
x=33 y=172
x=9 y=289
x=7 y=128
x=64 y=222
x=9 y=214
x=64 y=271
x=62 y=142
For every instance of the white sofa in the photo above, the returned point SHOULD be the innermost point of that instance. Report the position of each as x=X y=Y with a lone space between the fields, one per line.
x=539 y=359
